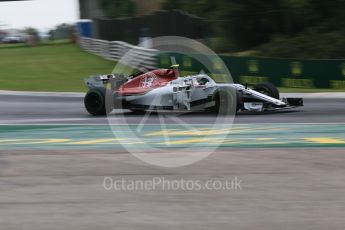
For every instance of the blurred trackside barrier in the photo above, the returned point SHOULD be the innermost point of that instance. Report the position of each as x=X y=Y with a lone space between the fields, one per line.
x=115 y=50
x=291 y=73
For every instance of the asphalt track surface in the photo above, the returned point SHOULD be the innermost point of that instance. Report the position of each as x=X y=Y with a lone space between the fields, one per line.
x=69 y=109
x=281 y=188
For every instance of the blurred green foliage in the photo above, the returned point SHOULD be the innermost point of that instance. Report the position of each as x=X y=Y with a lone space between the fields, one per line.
x=62 y=31
x=283 y=28
x=31 y=31
x=118 y=8
x=309 y=44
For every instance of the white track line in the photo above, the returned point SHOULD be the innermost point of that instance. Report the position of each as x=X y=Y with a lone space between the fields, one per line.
x=327 y=95
x=73 y=94
x=41 y=94
x=157 y=124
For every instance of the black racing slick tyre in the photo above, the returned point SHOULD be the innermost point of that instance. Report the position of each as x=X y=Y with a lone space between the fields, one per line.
x=138 y=111
x=95 y=102
x=268 y=89
x=226 y=101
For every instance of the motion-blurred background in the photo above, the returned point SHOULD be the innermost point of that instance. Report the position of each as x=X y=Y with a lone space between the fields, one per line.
x=279 y=28
x=297 y=44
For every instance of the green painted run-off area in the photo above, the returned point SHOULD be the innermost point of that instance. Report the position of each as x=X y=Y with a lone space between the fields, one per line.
x=171 y=136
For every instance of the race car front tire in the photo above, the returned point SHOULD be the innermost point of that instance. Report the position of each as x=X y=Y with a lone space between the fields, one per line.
x=268 y=89
x=95 y=102
x=227 y=101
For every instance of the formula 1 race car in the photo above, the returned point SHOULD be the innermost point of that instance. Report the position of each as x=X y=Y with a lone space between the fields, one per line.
x=164 y=89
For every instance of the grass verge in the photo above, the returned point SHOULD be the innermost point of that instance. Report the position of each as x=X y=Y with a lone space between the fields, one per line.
x=48 y=67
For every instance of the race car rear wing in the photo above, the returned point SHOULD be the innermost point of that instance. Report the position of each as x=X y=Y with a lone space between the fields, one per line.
x=112 y=81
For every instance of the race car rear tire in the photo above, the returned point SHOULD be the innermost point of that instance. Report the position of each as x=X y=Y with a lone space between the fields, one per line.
x=95 y=102
x=226 y=101
x=268 y=89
